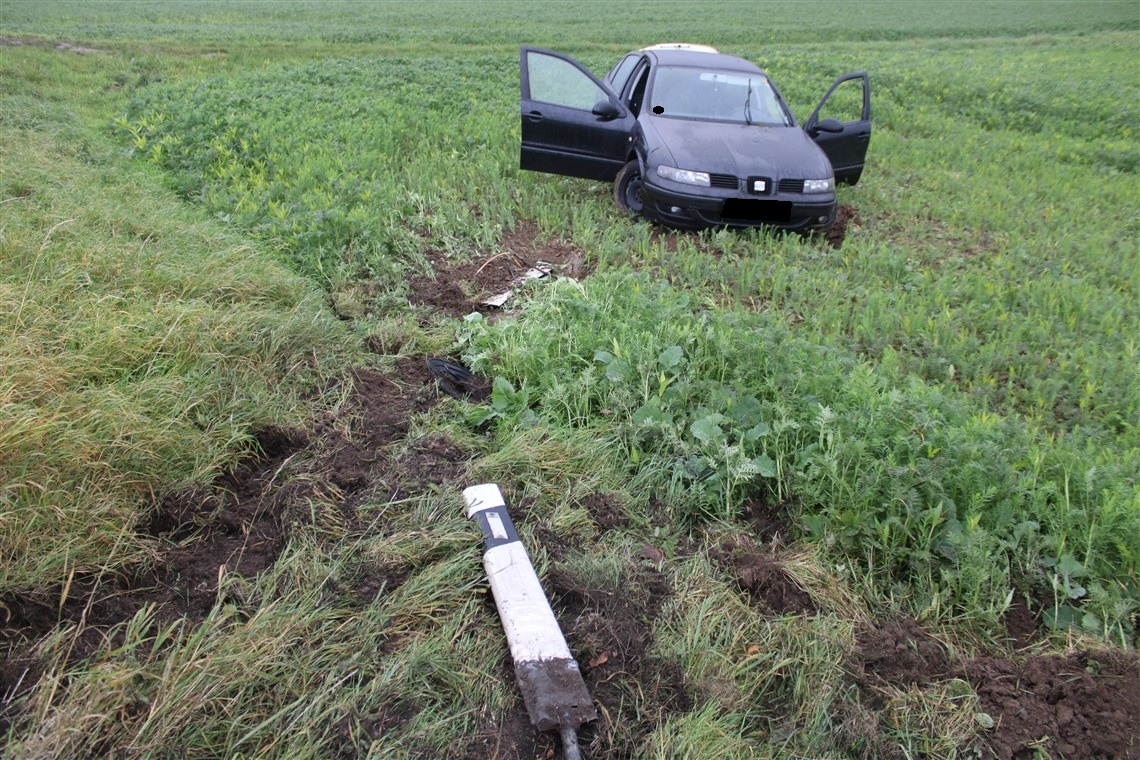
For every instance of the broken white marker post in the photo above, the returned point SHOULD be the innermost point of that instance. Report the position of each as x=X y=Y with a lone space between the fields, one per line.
x=548 y=676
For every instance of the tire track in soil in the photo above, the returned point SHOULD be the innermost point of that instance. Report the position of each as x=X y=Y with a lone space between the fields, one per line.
x=1083 y=704
x=240 y=523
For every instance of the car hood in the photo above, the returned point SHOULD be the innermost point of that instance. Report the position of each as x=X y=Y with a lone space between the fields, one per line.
x=737 y=149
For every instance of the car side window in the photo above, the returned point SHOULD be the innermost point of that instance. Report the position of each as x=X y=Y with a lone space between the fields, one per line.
x=620 y=75
x=637 y=94
x=845 y=103
x=561 y=83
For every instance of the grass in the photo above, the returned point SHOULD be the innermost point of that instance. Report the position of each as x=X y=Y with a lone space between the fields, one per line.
x=501 y=24
x=713 y=408
x=946 y=404
x=143 y=345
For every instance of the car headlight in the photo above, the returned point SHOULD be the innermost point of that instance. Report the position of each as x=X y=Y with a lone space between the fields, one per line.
x=819 y=185
x=683 y=175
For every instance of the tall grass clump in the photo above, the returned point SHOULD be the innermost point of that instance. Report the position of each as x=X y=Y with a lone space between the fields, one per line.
x=143 y=345
x=919 y=491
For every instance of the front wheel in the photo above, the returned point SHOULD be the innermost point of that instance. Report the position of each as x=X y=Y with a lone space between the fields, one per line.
x=628 y=188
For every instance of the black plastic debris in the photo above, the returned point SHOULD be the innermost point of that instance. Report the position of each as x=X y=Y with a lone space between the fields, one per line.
x=454 y=379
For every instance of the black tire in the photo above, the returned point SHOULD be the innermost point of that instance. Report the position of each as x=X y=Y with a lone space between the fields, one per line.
x=627 y=188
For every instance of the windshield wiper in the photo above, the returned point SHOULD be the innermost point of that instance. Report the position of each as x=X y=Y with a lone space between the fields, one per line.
x=748 y=104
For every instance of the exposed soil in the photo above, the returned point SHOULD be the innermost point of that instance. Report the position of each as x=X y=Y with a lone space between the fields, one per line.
x=508 y=737
x=758 y=572
x=610 y=634
x=19 y=673
x=458 y=289
x=1022 y=626
x=356 y=732
x=234 y=526
x=606 y=510
x=429 y=462
x=901 y=653
x=666 y=236
x=1079 y=706
x=240 y=523
x=846 y=216
x=769 y=522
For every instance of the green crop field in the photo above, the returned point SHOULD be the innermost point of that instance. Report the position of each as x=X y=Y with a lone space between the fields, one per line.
x=790 y=497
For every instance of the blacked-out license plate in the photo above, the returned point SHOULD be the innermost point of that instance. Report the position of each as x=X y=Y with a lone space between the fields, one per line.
x=756 y=210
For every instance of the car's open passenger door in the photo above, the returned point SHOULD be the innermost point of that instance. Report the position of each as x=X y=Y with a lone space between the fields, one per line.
x=572 y=124
x=843 y=130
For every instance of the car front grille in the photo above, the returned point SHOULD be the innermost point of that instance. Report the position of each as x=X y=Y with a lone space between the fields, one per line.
x=791 y=186
x=724 y=180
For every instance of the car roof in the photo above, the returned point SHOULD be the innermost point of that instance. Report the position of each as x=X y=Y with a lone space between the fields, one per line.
x=681 y=57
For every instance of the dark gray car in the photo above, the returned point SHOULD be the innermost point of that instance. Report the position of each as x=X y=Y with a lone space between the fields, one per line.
x=692 y=138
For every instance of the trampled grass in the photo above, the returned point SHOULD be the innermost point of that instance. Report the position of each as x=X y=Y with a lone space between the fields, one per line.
x=946 y=405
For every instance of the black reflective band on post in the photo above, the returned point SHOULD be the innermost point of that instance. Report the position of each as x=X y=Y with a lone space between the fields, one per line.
x=496 y=526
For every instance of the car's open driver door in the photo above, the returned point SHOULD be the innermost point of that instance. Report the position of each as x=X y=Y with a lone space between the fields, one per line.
x=850 y=115
x=572 y=123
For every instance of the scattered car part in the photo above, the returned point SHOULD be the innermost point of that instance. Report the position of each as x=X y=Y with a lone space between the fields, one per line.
x=539 y=270
x=454 y=379
x=693 y=138
x=547 y=674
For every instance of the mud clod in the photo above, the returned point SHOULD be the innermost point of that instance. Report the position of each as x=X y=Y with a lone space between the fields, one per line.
x=1079 y=706
x=758 y=572
x=846 y=216
x=609 y=630
x=901 y=653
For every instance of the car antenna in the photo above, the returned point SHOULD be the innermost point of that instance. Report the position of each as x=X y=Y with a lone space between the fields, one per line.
x=748 y=104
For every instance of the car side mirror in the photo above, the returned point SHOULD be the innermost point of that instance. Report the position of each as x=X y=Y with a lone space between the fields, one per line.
x=605 y=110
x=827 y=125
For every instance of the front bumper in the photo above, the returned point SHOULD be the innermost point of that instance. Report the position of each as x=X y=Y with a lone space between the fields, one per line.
x=786 y=211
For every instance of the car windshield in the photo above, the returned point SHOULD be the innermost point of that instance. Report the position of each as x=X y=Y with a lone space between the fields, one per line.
x=737 y=97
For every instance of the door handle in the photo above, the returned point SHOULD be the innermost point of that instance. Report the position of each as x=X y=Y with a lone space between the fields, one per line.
x=533 y=116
